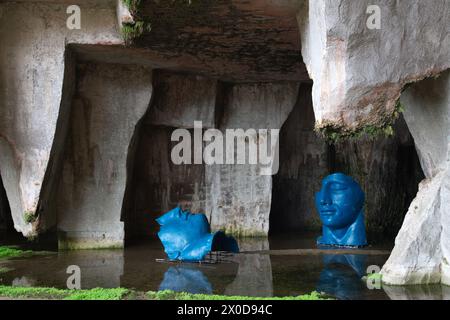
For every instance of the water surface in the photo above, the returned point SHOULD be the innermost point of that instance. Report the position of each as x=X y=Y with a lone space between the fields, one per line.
x=256 y=274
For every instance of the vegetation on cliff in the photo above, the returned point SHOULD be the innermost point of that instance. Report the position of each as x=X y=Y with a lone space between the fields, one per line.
x=334 y=133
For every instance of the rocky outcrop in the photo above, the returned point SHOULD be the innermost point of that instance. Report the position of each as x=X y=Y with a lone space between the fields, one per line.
x=359 y=72
x=108 y=104
x=422 y=248
x=32 y=62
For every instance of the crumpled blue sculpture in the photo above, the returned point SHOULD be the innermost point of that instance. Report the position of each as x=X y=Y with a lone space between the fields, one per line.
x=187 y=237
x=340 y=204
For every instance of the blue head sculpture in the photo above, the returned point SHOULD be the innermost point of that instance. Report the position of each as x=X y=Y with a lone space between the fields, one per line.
x=340 y=205
x=187 y=237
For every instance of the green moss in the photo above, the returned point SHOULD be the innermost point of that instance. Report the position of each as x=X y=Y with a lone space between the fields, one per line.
x=29 y=217
x=132 y=5
x=135 y=5
x=132 y=31
x=172 y=295
x=7 y=252
x=374 y=276
x=98 y=294
x=31 y=292
x=122 y=293
x=53 y=293
x=335 y=133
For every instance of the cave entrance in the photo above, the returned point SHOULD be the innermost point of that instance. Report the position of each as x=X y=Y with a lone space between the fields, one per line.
x=303 y=163
x=155 y=184
x=6 y=222
x=387 y=168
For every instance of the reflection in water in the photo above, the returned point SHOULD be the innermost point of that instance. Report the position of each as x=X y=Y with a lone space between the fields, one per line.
x=23 y=282
x=99 y=268
x=254 y=276
x=417 y=292
x=186 y=278
x=341 y=276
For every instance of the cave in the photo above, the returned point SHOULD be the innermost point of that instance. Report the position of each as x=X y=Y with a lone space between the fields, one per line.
x=87 y=115
x=221 y=191
x=382 y=165
x=157 y=185
x=387 y=168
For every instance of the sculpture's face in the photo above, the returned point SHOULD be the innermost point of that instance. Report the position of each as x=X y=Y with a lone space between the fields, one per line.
x=339 y=201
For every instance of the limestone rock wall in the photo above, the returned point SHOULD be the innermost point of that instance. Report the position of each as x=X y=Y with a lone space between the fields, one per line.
x=33 y=37
x=182 y=99
x=239 y=198
x=359 y=72
x=421 y=253
x=108 y=103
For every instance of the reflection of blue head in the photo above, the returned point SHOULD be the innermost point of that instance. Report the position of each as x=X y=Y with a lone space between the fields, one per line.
x=186 y=279
x=341 y=276
x=340 y=205
x=186 y=236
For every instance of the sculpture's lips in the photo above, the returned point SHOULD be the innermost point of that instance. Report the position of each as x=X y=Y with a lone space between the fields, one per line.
x=327 y=211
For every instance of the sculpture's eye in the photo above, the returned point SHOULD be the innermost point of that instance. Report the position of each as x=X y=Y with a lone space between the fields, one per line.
x=337 y=186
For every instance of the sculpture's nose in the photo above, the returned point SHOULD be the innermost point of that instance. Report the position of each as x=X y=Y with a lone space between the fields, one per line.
x=325 y=199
